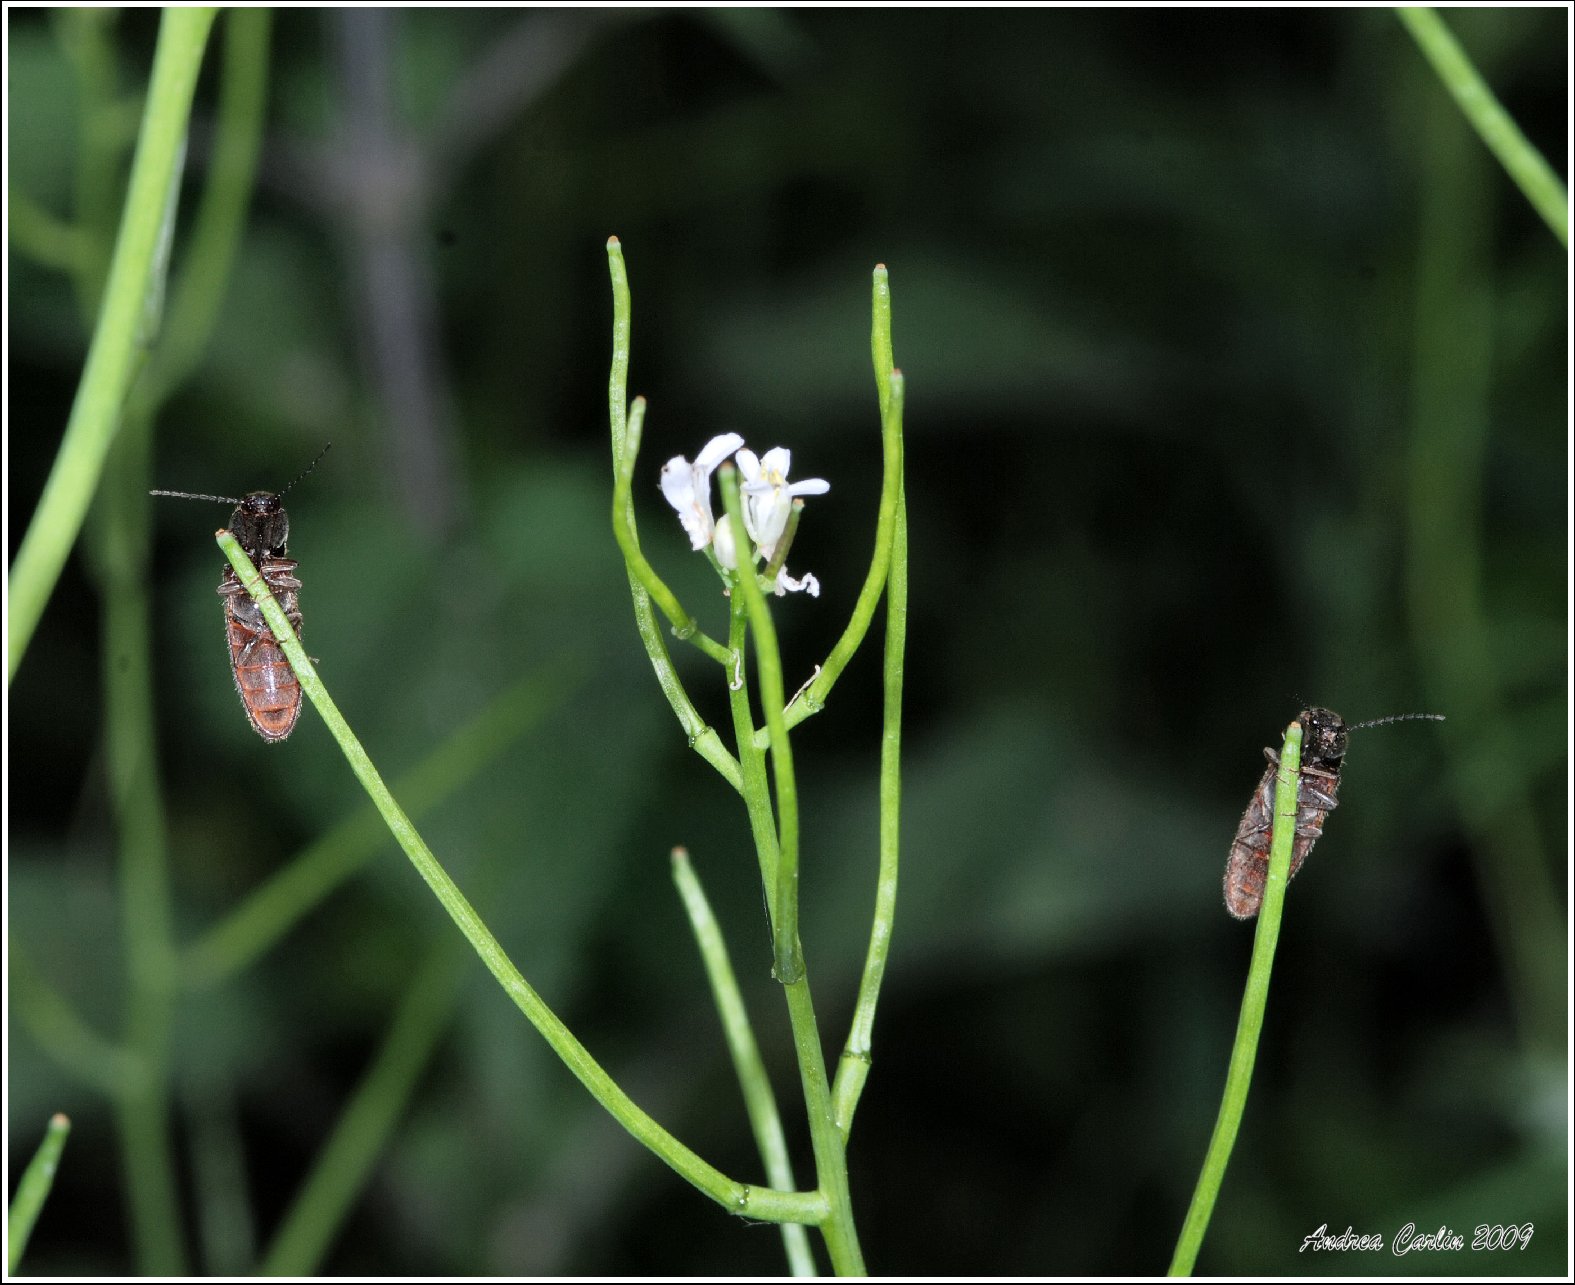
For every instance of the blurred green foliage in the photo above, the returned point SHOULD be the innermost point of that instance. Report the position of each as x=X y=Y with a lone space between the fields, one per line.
x=1146 y=267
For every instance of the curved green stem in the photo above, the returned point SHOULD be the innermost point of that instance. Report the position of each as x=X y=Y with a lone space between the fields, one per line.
x=46 y=240
x=1521 y=161
x=62 y=1033
x=886 y=522
x=703 y=739
x=740 y=1198
x=759 y=1101
x=1249 y=1027
x=889 y=384
x=854 y=1067
x=120 y=333
x=684 y=626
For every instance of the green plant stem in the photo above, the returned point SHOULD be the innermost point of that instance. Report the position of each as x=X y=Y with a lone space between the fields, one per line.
x=831 y=1157
x=269 y=912
x=756 y=789
x=1448 y=463
x=107 y=375
x=33 y=1189
x=86 y=39
x=768 y=665
x=854 y=1068
x=624 y=531
x=890 y=384
x=703 y=739
x=46 y=240
x=62 y=1034
x=759 y=1101
x=226 y=1228
x=744 y=1199
x=118 y=561
x=342 y=1166
x=1477 y=102
x=220 y=217
x=831 y=1163
x=142 y=1107
x=891 y=485
x=1249 y=1026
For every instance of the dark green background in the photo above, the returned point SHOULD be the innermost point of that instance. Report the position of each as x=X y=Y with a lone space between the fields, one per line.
x=1190 y=304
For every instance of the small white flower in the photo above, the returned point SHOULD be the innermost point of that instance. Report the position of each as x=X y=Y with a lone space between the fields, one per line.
x=688 y=488
x=768 y=498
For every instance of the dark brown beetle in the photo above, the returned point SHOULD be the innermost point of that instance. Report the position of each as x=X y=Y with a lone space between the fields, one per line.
x=269 y=691
x=1323 y=749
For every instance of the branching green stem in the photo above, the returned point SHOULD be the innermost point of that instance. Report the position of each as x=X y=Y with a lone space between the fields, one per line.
x=749 y=606
x=1249 y=1026
x=763 y=1203
x=703 y=739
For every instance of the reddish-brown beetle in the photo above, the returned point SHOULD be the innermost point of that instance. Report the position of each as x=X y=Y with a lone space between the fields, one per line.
x=269 y=692
x=1323 y=750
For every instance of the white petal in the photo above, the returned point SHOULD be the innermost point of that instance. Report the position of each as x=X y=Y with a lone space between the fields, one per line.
x=778 y=460
x=717 y=450
x=771 y=513
x=678 y=483
x=810 y=486
x=749 y=466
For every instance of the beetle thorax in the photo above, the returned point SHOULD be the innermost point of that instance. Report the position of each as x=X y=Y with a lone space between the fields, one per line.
x=261 y=525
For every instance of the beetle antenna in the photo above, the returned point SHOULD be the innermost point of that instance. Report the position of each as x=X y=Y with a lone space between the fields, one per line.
x=188 y=495
x=310 y=466
x=1394 y=718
